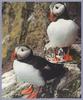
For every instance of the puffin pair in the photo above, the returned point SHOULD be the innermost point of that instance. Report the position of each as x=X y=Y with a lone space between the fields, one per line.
x=34 y=69
x=62 y=31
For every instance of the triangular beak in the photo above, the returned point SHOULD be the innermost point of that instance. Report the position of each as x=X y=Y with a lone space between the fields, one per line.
x=13 y=56
x=52 y=17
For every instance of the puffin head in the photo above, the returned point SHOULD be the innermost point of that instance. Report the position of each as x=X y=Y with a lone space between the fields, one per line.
x=21 y=52
x=56 y=10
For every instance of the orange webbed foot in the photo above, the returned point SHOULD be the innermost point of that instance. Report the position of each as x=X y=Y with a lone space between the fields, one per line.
x=68 y=57
x=33 y=95
x=27 y=91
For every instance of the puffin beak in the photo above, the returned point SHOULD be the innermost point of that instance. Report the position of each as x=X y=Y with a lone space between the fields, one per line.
x=52 y=17
x=13 y=56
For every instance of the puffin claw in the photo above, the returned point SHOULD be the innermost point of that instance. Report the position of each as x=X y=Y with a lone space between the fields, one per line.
x=27 y=91
x=68 y=57
x=33 y=95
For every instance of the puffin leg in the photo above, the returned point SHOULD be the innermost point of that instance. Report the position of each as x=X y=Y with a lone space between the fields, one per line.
x=68 y=50
x=27 y=91
x=35 y=93
x=67 y=56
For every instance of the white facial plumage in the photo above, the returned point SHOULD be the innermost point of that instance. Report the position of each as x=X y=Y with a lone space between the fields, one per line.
x=58 y=8
x=22 y=52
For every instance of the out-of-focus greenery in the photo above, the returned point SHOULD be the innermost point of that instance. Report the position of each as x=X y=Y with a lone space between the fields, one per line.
x=15 y=24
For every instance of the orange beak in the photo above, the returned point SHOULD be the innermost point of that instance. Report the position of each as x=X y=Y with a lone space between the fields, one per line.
x=13 y=56
x=52 y=17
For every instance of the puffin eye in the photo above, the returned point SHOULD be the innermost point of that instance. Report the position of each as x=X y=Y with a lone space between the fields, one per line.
x=22 y=49
x=56 y=7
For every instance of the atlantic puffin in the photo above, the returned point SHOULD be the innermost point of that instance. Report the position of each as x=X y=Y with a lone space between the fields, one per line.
x=34 y=69
x=62 y=31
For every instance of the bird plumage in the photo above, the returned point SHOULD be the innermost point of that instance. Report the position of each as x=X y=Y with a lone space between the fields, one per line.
x=48 y=70
x=63 y=31
x=36 y=70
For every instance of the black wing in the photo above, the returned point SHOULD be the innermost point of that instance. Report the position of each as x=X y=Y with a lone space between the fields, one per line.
x=48 y=70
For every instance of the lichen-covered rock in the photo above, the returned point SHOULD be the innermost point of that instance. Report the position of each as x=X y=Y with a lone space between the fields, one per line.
x=56 y=88
x=77 y=47
x=10 y=86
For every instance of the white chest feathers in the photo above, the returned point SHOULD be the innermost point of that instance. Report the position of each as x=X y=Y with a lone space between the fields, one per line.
x=62 y=33
x=27 y=73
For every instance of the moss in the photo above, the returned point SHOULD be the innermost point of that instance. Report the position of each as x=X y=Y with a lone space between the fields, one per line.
x=76 y=55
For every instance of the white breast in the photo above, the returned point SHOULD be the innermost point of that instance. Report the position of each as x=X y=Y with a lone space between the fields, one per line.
x=62 y=33
x=27 y=73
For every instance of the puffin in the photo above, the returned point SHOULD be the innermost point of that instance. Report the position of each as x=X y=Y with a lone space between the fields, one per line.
x=35 y=70
x=62 y=31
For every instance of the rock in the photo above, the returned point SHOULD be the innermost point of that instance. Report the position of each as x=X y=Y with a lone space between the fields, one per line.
x=12 y=89
x=10 y=86
x=72 y=67
x=77 y=47
x=70 y=83
x=11 y=72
